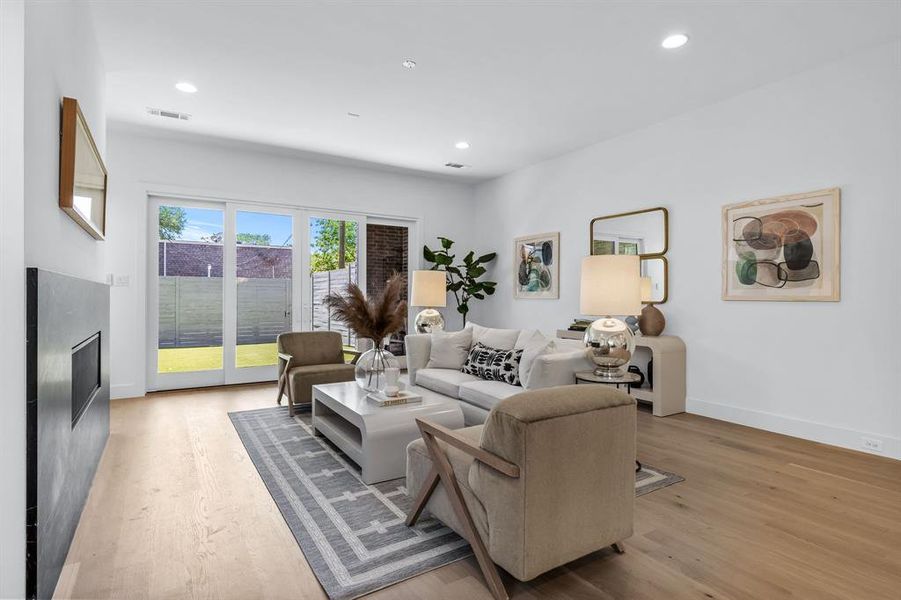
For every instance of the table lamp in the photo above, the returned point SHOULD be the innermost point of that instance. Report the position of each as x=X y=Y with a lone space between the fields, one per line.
x=651 y=322
x=429 y=291
x=611 y=287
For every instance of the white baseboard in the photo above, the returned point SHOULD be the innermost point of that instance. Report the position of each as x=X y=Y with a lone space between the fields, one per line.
x=125 y=390
x=808 y=430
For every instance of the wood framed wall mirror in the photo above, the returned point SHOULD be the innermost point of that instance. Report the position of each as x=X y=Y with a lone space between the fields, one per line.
x=642 y=232
x=82 y=174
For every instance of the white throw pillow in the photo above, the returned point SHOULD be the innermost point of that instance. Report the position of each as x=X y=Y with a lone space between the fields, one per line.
x=526 y=336
x=449 y=349
x=501 y=339
x=536 y=346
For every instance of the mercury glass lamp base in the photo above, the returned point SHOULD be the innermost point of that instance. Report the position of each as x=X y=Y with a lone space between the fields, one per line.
x=610 y=345
x=429 y=321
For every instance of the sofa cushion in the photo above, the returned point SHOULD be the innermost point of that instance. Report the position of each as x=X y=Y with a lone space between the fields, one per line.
x=526 y=336
x=534 y=347
x=449 y=349
x=443 y=381
x=493 y=364
x=485 y=394
x=503 y=339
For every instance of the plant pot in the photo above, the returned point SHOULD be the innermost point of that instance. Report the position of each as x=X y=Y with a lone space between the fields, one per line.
x=370 y=369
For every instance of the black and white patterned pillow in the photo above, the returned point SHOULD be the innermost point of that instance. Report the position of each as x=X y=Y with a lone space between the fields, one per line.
x=492 y=364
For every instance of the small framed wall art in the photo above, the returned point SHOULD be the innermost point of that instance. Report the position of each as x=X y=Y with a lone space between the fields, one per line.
x=82 y=174
x=783 y=249
x=536 y=266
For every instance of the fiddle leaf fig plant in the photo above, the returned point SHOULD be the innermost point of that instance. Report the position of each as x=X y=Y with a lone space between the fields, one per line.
x=462 y=279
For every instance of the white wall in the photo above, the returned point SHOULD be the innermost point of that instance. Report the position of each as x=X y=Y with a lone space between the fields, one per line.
x=61 y=59
x=824 y=371
x=141 y=162
x=47 y=50
x=12 y=300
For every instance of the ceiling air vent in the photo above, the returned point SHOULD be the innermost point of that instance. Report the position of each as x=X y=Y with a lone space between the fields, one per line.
x=454 y=165
x=169 y=114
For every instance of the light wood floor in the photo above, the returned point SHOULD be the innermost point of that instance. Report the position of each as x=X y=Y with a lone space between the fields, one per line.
x=177 y=510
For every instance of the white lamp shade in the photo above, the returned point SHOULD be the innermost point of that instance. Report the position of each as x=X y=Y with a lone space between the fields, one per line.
x=429 y=289
x=646 y=289
x=611 y=285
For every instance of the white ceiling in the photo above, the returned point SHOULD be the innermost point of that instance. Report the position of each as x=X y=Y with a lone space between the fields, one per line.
x=522 y=82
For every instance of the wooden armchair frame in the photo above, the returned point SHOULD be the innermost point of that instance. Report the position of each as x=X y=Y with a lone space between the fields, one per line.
x=283 y=385
x=443 y=471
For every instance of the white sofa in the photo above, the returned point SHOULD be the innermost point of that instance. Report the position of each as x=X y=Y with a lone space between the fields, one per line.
x=554 y=363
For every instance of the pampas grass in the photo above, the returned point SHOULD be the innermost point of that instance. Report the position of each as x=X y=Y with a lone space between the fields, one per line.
x=376 y=319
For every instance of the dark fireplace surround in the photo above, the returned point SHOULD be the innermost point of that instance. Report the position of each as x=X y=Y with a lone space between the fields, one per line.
x=67 y=414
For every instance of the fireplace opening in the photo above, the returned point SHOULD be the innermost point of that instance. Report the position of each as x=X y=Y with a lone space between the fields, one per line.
x=85 y=375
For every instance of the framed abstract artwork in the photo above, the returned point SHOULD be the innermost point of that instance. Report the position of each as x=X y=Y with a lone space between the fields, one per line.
x=783 y=249
x=536 y=266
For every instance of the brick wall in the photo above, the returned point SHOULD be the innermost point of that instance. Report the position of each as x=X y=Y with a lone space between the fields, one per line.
x=386 y=253
x=195 y=259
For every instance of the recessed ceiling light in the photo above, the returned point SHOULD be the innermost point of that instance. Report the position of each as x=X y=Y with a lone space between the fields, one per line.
x=186 y=87
x=463 y=145
x=677 y=40
x=409 y=63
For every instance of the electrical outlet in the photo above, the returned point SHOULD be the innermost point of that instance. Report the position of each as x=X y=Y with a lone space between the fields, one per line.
x=871 y=444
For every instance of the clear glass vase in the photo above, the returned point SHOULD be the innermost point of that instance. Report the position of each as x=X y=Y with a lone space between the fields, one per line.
x=370 y=369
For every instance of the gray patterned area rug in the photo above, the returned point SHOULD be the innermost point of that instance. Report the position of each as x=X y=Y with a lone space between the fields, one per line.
x=352 y=534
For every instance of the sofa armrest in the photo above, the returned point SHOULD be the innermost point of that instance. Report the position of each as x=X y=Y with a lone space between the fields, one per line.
x=558 y=368
x=419 y=347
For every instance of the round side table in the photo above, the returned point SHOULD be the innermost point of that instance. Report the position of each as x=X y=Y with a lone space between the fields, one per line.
x=626 y=379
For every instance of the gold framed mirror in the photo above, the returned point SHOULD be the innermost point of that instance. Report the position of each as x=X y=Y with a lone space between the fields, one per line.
x=656 y=269
x=82 y=174
x=642 y=232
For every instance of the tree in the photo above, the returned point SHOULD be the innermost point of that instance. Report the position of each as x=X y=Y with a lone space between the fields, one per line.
x=254 y=239
x=172 y=222
x=462 y=280
x=326 y=243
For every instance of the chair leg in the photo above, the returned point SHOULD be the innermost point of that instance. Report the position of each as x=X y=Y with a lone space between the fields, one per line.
x=290 y=398
x=423 y=497
x=281 y=387
x=446 y=474
x=619 y=548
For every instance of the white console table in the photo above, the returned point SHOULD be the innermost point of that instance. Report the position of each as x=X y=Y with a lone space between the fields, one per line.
x=668 y=353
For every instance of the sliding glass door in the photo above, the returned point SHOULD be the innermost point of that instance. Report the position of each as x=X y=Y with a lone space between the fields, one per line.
x=334 y=248
x=185 y=294
x=227 y=278
x=263 y=290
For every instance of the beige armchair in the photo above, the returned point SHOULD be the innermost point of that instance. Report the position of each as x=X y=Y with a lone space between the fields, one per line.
x=307 y=358
x=548 y=478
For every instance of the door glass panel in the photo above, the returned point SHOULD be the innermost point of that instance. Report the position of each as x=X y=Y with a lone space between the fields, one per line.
x=190 y=289
x=264 y=256
x=333 y=264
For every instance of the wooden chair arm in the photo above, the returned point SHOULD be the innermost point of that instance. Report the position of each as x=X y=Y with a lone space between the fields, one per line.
x=356 y=356
x=285 y=357
x=452 y=438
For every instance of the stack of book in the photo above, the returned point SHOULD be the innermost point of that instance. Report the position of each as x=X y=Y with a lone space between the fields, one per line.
x=402 y=397
x=580 y=324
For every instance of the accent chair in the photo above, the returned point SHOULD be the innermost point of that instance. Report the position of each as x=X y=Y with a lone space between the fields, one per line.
x=307 y=358
x=549 y=478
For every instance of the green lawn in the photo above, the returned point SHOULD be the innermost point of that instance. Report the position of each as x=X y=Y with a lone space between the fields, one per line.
x=181 y=360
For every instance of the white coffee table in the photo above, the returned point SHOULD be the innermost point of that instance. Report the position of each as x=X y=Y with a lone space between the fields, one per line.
x=376 y=437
